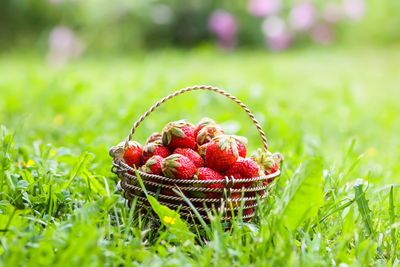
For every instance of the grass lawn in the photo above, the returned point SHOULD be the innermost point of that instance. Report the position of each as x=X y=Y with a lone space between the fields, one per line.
x=333 y=114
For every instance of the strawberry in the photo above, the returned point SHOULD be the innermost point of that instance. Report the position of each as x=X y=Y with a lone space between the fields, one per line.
x=269 y=163
x=221 y=152
x=242 y=150
x=273 y=167
x=153 y=165
x=242 y=169
x=242 y=142
x=202 y=123
x=207 y=133
x=178 y=166
x=132 y=154
x=178 y=134
x=207 y=174
x=154 y=148
x=192 y=155
x=153 y=138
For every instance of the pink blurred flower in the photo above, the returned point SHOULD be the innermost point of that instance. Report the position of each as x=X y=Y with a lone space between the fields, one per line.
x=261 y=8
x=224 y=25
x=354 y=9
x=280 y=42
x=278 y=37
x=63 y=45
x=273 y=26
x=332 y=12
x=322 y=34
x=302 y=16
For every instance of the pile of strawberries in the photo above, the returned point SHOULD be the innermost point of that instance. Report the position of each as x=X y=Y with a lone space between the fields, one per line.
x=201 y=152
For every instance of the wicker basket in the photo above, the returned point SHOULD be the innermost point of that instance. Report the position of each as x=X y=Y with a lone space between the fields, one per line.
x=154 y=183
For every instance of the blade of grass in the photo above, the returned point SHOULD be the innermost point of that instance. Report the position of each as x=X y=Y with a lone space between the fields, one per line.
x=304 y=188
x=203 y=223
x=363 y=207
x=169 y=218
x=342 y=207
x=81 y=163
x=392 y=218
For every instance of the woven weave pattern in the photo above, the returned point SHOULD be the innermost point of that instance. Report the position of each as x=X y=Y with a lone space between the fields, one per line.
x=225 y=201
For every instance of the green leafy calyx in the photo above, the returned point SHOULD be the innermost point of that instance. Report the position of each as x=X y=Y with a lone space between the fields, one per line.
x=149 y=148
x=131 y=144
x=265 y=160
x=206 y=121
x=173 y=129
x=170 y=164
x=226 y=142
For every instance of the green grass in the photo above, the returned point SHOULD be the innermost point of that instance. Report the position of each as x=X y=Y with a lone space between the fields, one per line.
x=332 y=113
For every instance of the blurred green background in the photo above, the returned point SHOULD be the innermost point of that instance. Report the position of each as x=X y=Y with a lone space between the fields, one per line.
x=122 y=25
x=68 y=64
x=322 y=77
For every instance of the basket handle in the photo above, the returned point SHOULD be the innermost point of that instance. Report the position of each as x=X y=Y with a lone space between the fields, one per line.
x=193 y=88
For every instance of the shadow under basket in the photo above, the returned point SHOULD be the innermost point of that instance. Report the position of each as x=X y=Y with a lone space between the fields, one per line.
x=225 y=200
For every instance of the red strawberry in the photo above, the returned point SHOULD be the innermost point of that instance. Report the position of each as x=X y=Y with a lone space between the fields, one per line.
x=278 y=158
x=207 y=174
x=203 y=122
x=269 y=163
x=192 y=155
x=178 y=134
x=242 y=142
x=178 y=166
x=221 y=152
x=153 y=138
x=242 y=150
x=132 y=154
x=242 y=169
x=153 y=165
x=154 y=148
x=274 y=167
x=207 y=133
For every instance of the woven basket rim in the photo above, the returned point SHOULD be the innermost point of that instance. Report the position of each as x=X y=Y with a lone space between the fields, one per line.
x=126 y=169
x=197 y=189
